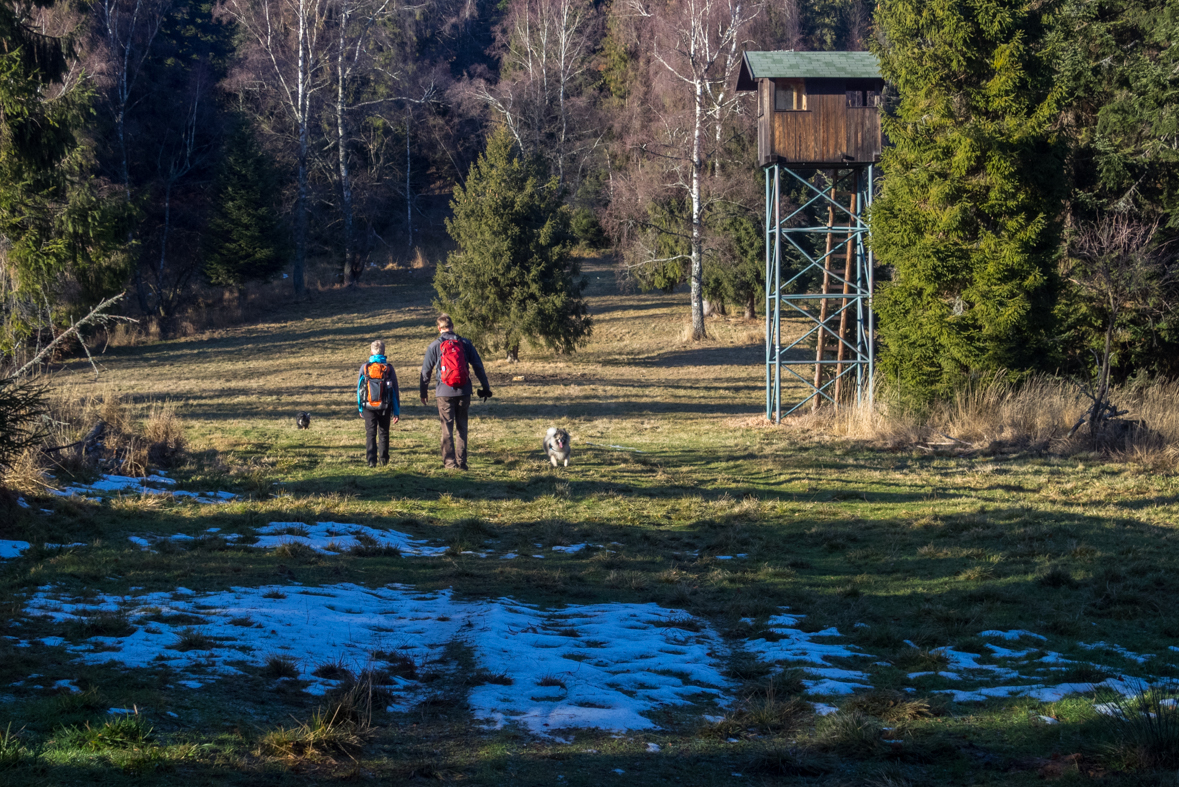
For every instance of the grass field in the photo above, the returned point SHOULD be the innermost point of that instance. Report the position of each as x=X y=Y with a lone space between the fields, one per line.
x=736 y=582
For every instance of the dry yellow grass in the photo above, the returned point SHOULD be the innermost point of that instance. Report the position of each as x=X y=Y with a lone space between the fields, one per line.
x=995 y=415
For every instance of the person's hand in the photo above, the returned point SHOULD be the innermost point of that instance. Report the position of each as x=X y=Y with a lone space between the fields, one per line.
x=484 y=393
x=424 y=403
x=394 y=419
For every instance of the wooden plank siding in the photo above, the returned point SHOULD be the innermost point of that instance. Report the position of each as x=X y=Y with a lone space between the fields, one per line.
x=827 y=133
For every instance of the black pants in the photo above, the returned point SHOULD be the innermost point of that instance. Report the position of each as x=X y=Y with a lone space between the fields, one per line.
x=452 y=413
x=376 y=421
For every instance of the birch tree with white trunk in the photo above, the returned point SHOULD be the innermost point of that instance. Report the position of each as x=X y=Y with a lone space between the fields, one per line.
x=696 y=44
x=287 y=56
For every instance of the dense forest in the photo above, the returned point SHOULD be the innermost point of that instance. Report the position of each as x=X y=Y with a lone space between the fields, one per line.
x=177 y=150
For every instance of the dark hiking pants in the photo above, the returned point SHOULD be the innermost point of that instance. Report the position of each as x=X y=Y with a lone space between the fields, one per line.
x=452 y=412
x=376 y=422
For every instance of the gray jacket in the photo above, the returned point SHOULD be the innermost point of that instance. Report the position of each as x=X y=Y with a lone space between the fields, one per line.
x=434 y=355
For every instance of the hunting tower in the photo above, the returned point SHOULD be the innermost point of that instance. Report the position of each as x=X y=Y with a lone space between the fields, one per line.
x=818 y=129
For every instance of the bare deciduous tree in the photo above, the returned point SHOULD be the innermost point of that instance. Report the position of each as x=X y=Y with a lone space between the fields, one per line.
x=546 y=50
x=286 y=55
x=1118 y=267
x=695 y=44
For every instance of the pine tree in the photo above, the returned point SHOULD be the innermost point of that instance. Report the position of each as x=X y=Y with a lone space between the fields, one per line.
x=968 y=217
x=246 y=240
x=512 y=277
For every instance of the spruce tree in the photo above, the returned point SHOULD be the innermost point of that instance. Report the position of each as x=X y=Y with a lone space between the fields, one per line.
x=62 y=241
x=245 y=239
x=968 y=217
x=1119 y=78
x=512 y=277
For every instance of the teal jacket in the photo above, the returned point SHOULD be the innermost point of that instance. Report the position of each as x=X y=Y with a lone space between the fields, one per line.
x=360 y=399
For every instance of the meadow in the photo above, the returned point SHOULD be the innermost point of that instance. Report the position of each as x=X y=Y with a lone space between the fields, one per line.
x=700 y=598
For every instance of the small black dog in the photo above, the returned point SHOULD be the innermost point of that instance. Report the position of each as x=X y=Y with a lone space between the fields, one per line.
x=556 y=445
x=303 y=420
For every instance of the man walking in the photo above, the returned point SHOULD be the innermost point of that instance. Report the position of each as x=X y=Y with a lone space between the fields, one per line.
x=452 y=354
x=378 y=400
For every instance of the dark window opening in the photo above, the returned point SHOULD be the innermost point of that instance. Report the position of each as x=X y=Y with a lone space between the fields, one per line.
x=790 y=97
x=863 y=98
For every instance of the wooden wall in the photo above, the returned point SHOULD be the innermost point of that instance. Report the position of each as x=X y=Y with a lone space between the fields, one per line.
x=828 y=132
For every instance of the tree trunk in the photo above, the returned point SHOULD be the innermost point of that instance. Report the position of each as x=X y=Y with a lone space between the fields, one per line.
x=408 y=188
x=697 y=274
x=303 y=101
x=351 y=271
x=750 y=306
x=514 y=353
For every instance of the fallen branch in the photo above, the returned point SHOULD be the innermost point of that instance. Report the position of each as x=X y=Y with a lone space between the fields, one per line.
x=97 y=316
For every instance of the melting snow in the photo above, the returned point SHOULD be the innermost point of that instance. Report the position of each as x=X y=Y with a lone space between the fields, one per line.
x=11 y=549
x=793 y=645
x=122 y=484
x=328 y=537
x=601 y=666
x=1013 y=634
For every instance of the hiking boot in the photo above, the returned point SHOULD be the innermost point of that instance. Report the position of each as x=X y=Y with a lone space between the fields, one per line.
x=372 y=464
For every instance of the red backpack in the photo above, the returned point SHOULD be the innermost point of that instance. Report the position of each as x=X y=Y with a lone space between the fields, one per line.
x=453 y=367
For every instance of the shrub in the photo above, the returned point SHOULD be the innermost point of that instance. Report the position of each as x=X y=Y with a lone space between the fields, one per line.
x=1141 y=731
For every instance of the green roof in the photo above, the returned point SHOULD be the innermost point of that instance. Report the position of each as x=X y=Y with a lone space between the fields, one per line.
x=806 y=65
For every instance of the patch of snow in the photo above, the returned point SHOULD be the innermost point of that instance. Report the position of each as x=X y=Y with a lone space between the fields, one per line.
x=963 y=660
x=1048 y=719
x=822 y=709
x=20 y=501
x=341 y=537
x=1118 y=649
x=573 y=548
x=797 y=646
x=1044 y=693
x=1013 y=634
x=11 y=549
x=142 y=543
x=509 y=556
x=713 y=719
x=653 y=748
x=66 y=683
x=724 y=557
x=122 y=484
x=122 y=712
x=604 y=666
x=1004 y=653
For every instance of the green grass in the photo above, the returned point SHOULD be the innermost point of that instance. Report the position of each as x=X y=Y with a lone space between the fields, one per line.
x=926 y=549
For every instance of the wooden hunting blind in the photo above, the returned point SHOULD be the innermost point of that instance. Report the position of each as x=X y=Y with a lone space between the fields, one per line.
x=818 y=128
x=815 y=109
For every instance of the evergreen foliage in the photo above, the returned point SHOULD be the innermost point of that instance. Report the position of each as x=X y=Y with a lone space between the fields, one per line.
x=1119 y=79
x=246 y=240
x=61 y=238
x=512 y=276
x=738 y=276
x=968 y=217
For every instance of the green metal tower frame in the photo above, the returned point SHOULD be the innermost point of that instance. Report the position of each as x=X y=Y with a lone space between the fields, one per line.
x=821 y=313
